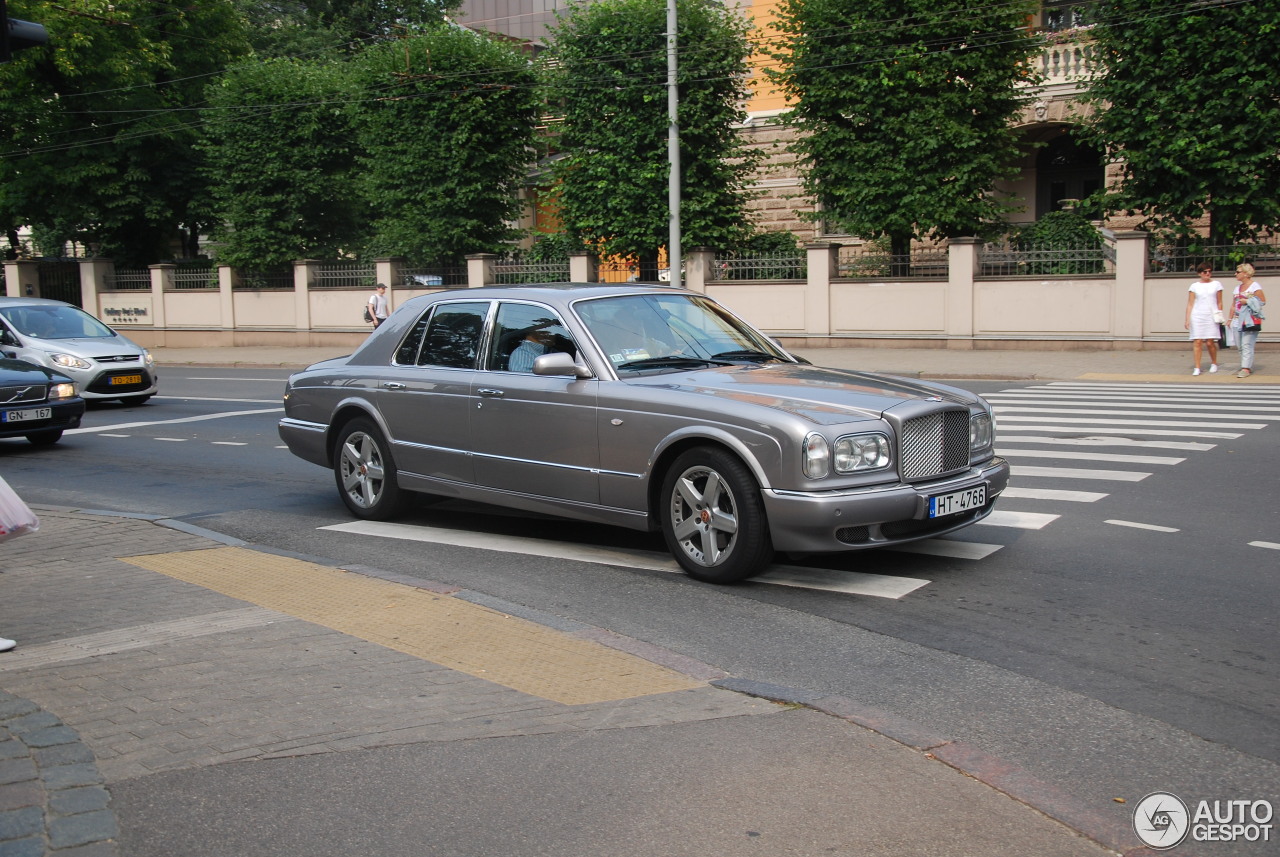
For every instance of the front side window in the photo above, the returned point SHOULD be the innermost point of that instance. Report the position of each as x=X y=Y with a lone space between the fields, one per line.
x=522 y=333
x=448 y=335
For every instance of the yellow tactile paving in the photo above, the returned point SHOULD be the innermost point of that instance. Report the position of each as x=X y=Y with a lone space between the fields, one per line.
x=448 y=631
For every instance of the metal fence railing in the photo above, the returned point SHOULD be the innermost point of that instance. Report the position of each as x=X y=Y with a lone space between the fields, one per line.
x=1041 y=260
x=514 y=272
x=128 y=279
x=256 y=280
x=195 y=275
x=1183 y=259
x=760 y=266
x=434 y=277
x=863 y=262
x=345 y=275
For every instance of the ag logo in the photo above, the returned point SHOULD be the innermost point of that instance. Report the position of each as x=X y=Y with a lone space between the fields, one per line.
x=1161 y=820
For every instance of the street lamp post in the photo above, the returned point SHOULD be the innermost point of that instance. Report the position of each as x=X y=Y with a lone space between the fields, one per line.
x=673 y=151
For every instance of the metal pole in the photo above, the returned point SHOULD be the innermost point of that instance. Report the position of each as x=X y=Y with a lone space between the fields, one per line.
x=674 y=256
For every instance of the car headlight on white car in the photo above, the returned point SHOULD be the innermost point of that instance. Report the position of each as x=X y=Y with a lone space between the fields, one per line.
x=148 y=359
x=62 y=391
x=70 y=361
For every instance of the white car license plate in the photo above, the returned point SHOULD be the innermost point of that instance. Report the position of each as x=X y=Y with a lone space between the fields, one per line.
x=24 y=416
x=958 y=501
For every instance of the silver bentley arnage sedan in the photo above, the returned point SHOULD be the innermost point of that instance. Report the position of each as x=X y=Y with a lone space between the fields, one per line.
x=644 y=407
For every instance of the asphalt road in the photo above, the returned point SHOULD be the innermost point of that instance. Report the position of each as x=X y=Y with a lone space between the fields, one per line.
x=1117 y=639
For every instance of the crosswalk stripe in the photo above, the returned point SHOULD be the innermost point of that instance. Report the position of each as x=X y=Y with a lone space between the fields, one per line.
x=1161 y=423
x=1244 y=391
x=1137 y=526
x=1073 y=406
x=1019 y=520
x=1079 y=473
x=1189 y=446
x=1053 y=494
x=1090 y=456
x=951 y=548
x=1005 y=409
x=830 y=580
x=1005 y=428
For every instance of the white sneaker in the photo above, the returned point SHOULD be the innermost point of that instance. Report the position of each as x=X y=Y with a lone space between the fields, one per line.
x=6 y=645
x=1213 y=367
x=1195 y=371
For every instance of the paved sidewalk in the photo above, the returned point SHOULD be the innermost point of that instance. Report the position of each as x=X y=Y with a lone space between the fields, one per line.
x=176 y=692
x=1155 y=366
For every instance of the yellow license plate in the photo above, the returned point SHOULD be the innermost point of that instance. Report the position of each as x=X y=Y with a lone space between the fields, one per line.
x=125 y=379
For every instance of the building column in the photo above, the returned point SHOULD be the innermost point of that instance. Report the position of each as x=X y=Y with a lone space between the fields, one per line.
x=161 y=279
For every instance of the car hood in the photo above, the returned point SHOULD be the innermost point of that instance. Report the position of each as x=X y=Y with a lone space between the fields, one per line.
x=822 y=396
x=91 y=348
x=21 y=372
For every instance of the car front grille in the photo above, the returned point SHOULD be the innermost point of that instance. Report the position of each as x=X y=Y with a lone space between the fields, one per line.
x=934 y=444
x=21 y=393
x=102 y=384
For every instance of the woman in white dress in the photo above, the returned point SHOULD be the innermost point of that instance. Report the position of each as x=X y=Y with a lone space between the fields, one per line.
x=1203 y=299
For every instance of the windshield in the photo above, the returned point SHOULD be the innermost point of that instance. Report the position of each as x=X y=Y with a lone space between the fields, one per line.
x=671 y=332
x=55 y=322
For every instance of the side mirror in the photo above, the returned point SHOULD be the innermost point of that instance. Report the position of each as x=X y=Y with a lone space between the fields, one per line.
x=559 y=363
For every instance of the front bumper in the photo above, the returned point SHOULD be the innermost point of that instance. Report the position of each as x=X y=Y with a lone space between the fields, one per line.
x=65 y=414
x=826 y=522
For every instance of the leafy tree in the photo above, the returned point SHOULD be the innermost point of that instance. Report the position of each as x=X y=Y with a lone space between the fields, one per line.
x=608 y=74
x=280 y=154
x=1188 y=99
x=311 y=28
x=97 y=142
x=903 y=110
x=446 y=134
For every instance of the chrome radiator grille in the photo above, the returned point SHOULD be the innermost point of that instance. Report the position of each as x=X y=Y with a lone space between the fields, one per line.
x=933 y=445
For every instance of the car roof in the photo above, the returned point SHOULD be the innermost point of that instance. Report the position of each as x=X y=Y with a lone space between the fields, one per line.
x=552 y=292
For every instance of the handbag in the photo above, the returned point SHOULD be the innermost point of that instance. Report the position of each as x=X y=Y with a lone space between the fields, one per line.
x=16 y=517
x=1218 y=317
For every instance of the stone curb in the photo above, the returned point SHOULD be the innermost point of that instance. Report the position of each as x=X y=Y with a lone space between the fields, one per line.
x=53 y=801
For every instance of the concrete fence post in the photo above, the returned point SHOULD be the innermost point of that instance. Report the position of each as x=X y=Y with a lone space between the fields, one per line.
x=584 y=267
x=481 y=270
x=962 y=269
x=824 y=265
x=1128 y=300
x=698 y=264
x=94 y=274
x=22 y=278
x=304 y=275
x=227 y=280
x=161 y=279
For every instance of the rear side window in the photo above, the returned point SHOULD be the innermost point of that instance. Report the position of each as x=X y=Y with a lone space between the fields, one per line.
x=449 y=337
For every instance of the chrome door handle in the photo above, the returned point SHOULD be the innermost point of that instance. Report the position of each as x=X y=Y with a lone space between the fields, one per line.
x=393 y=385
x=490 y=394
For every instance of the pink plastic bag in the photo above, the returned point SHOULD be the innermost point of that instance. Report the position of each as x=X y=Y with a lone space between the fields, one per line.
x=16 y=518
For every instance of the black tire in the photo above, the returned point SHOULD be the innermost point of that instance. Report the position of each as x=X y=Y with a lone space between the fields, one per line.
x=713 y=517
x=45 y=438
x=365 y=472
x=136 y=400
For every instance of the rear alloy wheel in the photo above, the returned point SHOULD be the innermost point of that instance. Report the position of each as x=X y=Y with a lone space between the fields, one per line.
x=713 y=518
x=365 y=472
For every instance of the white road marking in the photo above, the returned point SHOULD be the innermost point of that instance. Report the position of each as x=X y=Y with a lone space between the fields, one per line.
x=1114 y=441
x=172 y=439
x=1109 y=399
x=279 y=381
x=1111 y=412
x=1018 y=520
x=200 y=418
x=949 y=548
x=228 y=443
x=117 y=435
x=207 y=399
x=1272 y=545
x=1005 y=428
x=1080 y=473
x=1052 y=494
x=1138 y=526
x=854 y=583
x=1091 y=456
x=1163 y=424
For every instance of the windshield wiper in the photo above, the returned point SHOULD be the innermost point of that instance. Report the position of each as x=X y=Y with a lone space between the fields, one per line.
x=746 y=354
x=669 y=360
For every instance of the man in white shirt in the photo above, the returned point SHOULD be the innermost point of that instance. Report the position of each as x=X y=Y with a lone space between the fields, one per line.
x=378 y=306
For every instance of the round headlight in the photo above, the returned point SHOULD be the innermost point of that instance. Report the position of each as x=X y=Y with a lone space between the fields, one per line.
x=861 y=452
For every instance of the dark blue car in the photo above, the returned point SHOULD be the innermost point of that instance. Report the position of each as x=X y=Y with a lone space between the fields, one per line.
x=37 y=403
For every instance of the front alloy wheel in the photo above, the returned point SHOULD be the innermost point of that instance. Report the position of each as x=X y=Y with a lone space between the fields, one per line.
x=713 y=518
x=365 y=472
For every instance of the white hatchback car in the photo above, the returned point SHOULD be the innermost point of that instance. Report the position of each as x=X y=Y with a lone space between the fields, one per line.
x=104 y=364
